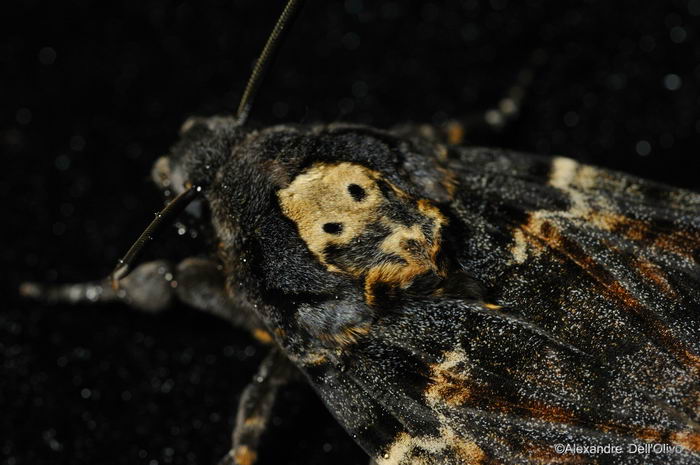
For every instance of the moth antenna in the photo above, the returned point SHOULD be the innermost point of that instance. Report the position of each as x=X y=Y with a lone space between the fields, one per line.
x=263 y=61
x=172 y=209
x=180 y=202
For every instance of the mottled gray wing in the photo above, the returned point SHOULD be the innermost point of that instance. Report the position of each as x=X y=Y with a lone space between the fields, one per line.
x=588 y=335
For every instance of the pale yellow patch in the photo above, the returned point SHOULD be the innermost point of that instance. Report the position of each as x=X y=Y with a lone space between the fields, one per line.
x=563 y=172
x=519 y=250
x=571 y=177
x=398 y=451
x=320 y=196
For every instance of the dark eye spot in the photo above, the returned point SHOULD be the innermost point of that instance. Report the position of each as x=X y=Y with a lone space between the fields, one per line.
x=412 y=246
x=357 y=193
x=333 y=228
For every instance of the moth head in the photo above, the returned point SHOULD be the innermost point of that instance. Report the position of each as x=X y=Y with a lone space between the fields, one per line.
x=305 y=210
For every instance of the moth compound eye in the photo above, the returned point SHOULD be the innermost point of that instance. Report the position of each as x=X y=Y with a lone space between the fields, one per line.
x=333 y=228
x=358 y=193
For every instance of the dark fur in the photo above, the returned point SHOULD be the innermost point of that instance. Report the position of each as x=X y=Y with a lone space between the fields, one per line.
x=563 y=332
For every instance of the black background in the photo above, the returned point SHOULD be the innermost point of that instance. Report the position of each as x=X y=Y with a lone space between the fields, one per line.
x=93 y=92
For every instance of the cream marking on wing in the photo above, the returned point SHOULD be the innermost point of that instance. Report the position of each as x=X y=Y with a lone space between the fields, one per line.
x=573 y=179
x=450 y=380
x=427 y=449
x=519 y=248
x=563 y=172
x=403 y=449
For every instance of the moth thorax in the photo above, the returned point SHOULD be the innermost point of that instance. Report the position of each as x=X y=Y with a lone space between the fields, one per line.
x=356 y=222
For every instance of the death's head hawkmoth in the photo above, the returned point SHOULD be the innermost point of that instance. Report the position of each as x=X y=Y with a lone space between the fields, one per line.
x=535 y=236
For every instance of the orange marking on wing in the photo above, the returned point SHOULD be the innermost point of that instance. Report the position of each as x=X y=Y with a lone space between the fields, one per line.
x=451 y=388
x=654 y=273
x=551 y=413
x=679 y=242
x=452 y=384
x=451 y=381
x=631 y=229
x=649 y=435
x=687 y=439
x=468 y=451
x=448 y=181
x=347 y=336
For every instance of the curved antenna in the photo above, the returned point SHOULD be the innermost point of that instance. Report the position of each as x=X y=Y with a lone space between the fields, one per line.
x=263 y=61
x=172 y=209
x=179 y=203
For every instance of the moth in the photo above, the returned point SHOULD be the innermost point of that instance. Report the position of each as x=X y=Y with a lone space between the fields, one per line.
x=435 y=295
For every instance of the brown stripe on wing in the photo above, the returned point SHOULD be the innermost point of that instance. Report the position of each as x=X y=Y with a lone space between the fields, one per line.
x=542 y=234
x=687 y=439
x=680 y=242
x=454 y=385
x=655 y=275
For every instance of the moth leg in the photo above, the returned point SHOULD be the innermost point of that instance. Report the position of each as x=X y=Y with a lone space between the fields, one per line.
x=507 y=109
x=148 y=288
x=255 y=408
x=152 y=287
x=202 y=285
x=493 y=120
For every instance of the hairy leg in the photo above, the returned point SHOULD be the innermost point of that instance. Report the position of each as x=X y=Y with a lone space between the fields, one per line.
x=149 y=288
x=255 y=408
x=492 y=120
x=152 y=287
